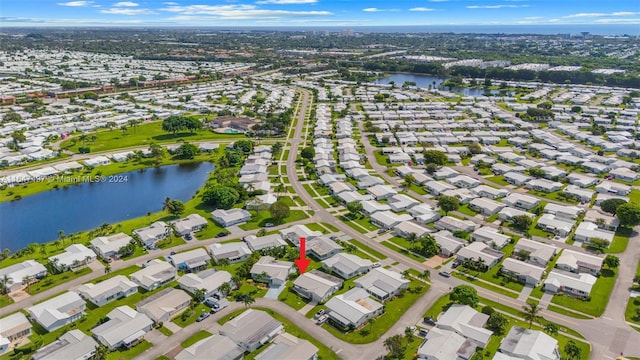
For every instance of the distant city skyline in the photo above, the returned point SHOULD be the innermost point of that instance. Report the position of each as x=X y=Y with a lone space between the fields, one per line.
x=329 y=13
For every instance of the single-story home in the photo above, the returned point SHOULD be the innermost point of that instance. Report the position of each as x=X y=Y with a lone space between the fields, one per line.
x=401 y=202
x=208 y=280
x=155 y=274
x=164 y=305
x=125 y=328
x=316 y=286
x=256 y=243
x=190 y=260
x=454 y=224
x=347 y=265
x=388 y=219
x=295 y=232
x=521 y=201
x=539 y=253
x=287 y=346
x=152 y=234
x=73 y=344
x=108 y=246
x=13 y=328
x=352 y=309
x=109 y=290
x=508 y=213
x=569 y=283
x=18 y=272
x=216 y=347
x=404 y=229
x=489 y=192
x=467 y=322
x=490 y=236
x=486 y=206
x=579 y=262
x=524 y=272
x=322 y=248
x=233 y=252
x=521 y=343
x=563 y=211
x=58 y=311
x=74 y=256
x=274 y=272
x=556 y=225
x=479 y=250
x=588 y=230
x=382 y=284
x=189 y=224
x=252 y=329
x=230 y=217
x=449 y=244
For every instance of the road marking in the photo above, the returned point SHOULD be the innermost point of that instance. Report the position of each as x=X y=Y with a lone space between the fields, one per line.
x=338 y=351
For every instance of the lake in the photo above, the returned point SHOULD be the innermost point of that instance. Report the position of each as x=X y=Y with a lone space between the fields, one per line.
x=74 y=208
x=424 y=81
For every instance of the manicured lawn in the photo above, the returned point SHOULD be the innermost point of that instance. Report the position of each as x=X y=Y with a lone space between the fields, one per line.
x=5 y=300
x=260 y=218
x=556 y=195
x=599 y=295
x=499 y=179
x=381 y=159
x=130 y=353
x=564 y=311
x=52 y=281
x=364 y=222
x=311 y=313
x=402 y=251
x=483 y=284
x=166 y=332
x=393 y=311
x=401 y=242
x=195 y=312
x=142 y=135
x=321 y=190
x=170 y=242
x=291 y=298
x=439 y=306
x=369 y=250
x=202 y=334
x=620 y=241
x=465 y=210
x=418 y=189
x=126 y=271
x=356 y=227
x=632 y=312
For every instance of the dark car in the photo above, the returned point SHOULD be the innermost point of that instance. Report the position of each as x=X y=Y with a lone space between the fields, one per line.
x=203 y=316
x=222 y=234
x=429 y=320
x=422 y=333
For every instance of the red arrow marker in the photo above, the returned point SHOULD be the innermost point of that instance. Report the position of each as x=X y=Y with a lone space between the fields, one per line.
x=302 y=263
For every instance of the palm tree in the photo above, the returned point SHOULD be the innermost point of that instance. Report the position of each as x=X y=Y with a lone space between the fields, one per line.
x=551 y=328
x=43 y=249
x=572 y=350
x=57 y=243
x=84 y=138
x=406 y=274
x=225 y=289
x=5 y=282
x=107 y=268
x=248 y=300
x=87 y=259
x=530 y=313
x=167 y=205
x=412 y=237
x=425 y=274
x=26 y=281
x=61 y=235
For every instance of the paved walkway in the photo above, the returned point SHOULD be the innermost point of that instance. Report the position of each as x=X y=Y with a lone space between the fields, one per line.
x=305 y=309
x=273 y=292
x=546 y=300
x=524 y=294
x=172 y=326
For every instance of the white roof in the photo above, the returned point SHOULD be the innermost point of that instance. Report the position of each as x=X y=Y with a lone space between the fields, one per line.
x=467 y=322
x=275 y=269
x=75 y=252
x=112 y=243
x=17 y=272
x=352 y=305
x=58 y=308
x=583 y=282
x=529 y=344
x=106 y=288
x=210 y=280
x=156 y=271
x=72 y=345
x=523 y=268
x=381 y=281
x=573 y=259
x=124 y=322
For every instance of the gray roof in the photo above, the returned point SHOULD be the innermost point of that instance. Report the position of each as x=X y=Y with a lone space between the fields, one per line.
x=288 y=347
x=216 y=347
x=72 y=345
x=250 y=327
x=352 y=305
x=529 y=344
x=123 y=323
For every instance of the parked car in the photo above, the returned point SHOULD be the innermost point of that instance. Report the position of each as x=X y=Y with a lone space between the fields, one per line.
x=429 y=320
x=188 y=236
x=423 y=332
x=445 y=273
x=269 y=225
x=203 y=316
x=319 y=313
x=172 y=253
x=322 y=319
x=210 y=301
x=219 y=305
x=376 y=265
x=222 y=234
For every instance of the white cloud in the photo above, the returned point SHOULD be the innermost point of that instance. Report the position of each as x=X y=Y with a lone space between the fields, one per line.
x=617 y=21
x=421 y=9
x=125 y=4
x=589 y=15
x=170 y=3
x=236 y=12
x=495 y=6
x=286 y=2
x=125 y=11
x=76 y=3
x=372 y=9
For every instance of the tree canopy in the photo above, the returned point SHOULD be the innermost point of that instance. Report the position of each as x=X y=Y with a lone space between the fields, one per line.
x=177 y=123
x=220 y=196
x=629 y=214
x=611 y=205
x=435 y=157
x=448 y=203
x=465 y=294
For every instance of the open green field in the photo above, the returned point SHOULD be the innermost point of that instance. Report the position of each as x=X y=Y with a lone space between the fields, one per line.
x=141 y=135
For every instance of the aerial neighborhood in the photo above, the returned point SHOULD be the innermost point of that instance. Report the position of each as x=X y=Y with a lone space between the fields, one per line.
x=318 y=195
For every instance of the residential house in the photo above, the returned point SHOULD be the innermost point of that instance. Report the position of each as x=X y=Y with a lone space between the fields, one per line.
x=58 y=311
x=449 y=244
x=563 y=211
x=216 y=347
x=625 y=174
x=352 y=309
x=610 y=187
x=401 y=202
x=489 y=192
x=603 y=220
x=152 y=234
x=476 y=251
x=543 y=185
x=109 y=290
x=405 y=229
x=72 y=345
x=13 y=329
x=316 y=286
x=508 y=213
x=164 y=305
x=322 y=247
x=73 y=257
x=557 y=225
x=272 y=271
x=347 y=265
x=233 y=252
x=189 y=224
x=295 y=232
x=516 y=178
x=387 y=220
x=230 y=217
x=454 y=224
x=588 y=230
x=539 y=253
x=17 y=273
x=370 y=206
x=252 y=329
x=490 y=236
x=440 y=344
x=486 y=206
x=108 y=246
x=155 y=274
x=467 y=322
x=190 y=260
x=463 y=181
x=437 y=187
x=424 y=214
x=288 y=347
x=125 y=328
x=257 y=243
x=382 y=192
x=521 y=343
x=523 y=272
x=579 y=285
x=382 y=284
x=208 y=280
x=582 y=181
x=521 y=201
x=578 y=262
x=582 y=195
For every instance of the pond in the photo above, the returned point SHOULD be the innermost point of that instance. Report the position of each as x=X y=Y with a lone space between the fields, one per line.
x=39 y=217
x=424 y=81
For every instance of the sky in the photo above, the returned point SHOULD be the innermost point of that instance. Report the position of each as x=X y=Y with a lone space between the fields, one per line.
x=343 y=13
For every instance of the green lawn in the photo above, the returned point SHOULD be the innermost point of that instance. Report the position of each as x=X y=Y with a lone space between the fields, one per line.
x=470 y=278
x=393 y=311
x=141 y=135
x=405 y=252
x=620 y=241
x=498 y=179
x=367 y=249
x=126 y=272
x=52 y=281
x=598 y=299
x=380 y=158
x=166 y=332
x=566 y=312
x=291 y=298
x=202 y=334
x=556 y=195
x=356 y=227
x=465 y=210
x=130 y=353
x=5 y=300
x=632 y=312
x=364 y=222
x=195 y=312
x=260 y=218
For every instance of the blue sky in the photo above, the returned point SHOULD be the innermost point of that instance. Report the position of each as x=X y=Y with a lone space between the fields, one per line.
x=298 y=13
